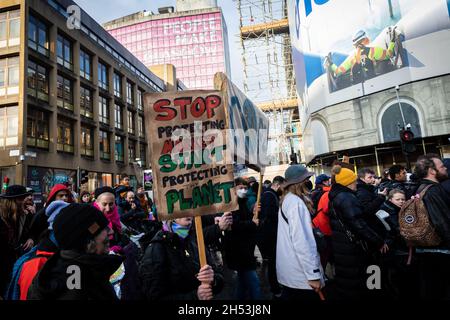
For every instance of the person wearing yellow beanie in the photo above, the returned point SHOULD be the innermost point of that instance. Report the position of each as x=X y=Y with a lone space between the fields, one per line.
x=354 y=241
x=345 y=177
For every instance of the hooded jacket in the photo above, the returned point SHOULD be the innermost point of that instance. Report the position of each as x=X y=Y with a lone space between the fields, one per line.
x=40 y=223
x=322 y=220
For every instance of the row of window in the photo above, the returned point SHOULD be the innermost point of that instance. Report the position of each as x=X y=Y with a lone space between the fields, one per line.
x=38 y=86
x=9 y=28
x=38 y=41
x=156 y=86
x=38 y=136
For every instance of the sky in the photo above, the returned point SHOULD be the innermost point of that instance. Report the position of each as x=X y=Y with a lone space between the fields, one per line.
x=106 y=10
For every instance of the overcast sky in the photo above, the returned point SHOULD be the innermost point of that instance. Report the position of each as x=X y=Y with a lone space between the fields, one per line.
x=106 y=10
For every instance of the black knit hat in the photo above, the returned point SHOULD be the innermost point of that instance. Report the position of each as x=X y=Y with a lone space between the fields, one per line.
x=101 y=190
x=76 y=224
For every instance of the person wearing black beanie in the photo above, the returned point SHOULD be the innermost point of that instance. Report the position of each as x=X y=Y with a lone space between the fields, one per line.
x=81 y=269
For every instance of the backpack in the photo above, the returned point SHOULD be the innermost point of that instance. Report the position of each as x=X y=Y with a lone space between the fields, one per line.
x=415 y=225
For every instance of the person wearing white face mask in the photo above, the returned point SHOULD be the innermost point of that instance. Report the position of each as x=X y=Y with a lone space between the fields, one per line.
x=239 y=247
x=242 y=191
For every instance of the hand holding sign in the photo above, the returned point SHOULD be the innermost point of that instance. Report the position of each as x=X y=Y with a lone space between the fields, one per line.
x=204 y=292
x=206 y=274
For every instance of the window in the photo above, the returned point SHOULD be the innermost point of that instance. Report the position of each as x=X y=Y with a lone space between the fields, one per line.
x=85 y=65
x=131 y=151
x=9 y=28
x=37 y=129
x=64 y=52
x=130 y=93
x=131 y=127
x=9 y=76
x=65 y=136
x=103 y=110
x=118 y=117
x=37 y=81
x=87 y=141
x=117 y=85
x=141 y=126
x=64 y=93
x=140 y=100
x=86 y=108
x=38 y=36
x=119 y=149
x=392 y=116
x=9 y=126
x=143 y=155
x=105 y=152
x=103 y=76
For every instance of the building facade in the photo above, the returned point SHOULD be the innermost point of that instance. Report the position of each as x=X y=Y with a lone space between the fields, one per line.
x=71 y=99
x=194 y=41
x=363 y=78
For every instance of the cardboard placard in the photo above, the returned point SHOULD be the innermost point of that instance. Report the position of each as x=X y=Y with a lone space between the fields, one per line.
x=191 y=176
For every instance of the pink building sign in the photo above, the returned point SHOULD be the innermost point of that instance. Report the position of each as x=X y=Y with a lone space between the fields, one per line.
x=194 y=44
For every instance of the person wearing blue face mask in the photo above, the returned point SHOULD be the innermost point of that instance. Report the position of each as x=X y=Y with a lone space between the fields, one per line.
x=170 y=268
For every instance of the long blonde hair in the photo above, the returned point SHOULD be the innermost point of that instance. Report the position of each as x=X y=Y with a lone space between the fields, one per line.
x=300 y=190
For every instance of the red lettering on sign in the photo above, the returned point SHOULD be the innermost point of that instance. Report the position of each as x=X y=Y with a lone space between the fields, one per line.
x=162 y=106
x=212 y=102
x=198 y=107
x=182 y=103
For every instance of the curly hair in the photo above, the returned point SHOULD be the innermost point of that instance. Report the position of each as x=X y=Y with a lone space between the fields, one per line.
x=424 y=163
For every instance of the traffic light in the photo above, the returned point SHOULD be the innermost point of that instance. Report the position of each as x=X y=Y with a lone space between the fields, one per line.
x=84 y=176
x=407 y=140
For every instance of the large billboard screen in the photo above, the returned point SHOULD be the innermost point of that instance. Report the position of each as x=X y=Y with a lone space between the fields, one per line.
x=194 y=44
x=344 y=49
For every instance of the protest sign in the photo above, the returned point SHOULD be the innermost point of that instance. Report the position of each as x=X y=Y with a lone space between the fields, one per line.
x=187 y=135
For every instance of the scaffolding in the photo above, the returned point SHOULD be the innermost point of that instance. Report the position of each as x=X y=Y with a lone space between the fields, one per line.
x=268 y=72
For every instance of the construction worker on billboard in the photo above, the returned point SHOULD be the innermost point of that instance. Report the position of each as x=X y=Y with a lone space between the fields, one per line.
x=362 y=62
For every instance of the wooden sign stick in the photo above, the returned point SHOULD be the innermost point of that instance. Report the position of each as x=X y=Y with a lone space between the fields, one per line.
x=200 y=241
x=258 y=198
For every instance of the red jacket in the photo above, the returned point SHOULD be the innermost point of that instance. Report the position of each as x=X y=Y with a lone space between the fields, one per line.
x=29 y=271
x=322 y=221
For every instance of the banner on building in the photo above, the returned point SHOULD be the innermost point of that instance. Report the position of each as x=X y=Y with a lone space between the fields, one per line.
x=345 y=49
x=187 y=132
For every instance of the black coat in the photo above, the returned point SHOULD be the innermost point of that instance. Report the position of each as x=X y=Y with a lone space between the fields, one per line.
x=351 y=260
x=95 y=271
x=168 y=268
x=268 y=219
x=437 y=203
x=408 y=188
x=392 y=238
x=370 y=201
x=240 y=241
x=8 y=256
x=39 y=225
x=11 y=243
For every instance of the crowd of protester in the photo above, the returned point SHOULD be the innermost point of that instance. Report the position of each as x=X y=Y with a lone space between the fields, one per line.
x=317 y=240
